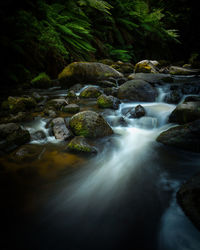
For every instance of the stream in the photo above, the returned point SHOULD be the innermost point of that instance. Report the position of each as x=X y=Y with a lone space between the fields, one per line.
x=122 y=198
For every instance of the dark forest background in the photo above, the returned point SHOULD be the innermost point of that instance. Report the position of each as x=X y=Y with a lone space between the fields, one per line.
x=45 y=35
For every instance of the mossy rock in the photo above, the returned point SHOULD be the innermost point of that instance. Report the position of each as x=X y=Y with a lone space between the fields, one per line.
x=104 y=101
x=85 y=72
x=89 y=124
x=90 y=92
x=17 y=104
x=71 y=94
x=79 y=145
x=146 y=66
x=56 y=104
x=175 y=70
x=71 y=108
x=41 y=81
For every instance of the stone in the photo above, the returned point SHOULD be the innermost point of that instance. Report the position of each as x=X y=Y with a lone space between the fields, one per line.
x=41 y=81
x=105 y=101
x=38 y=135
x=138 y=112
x=79 y=144
x=152 y=78
x=89 y=124
x=137 y=90
x=90 y=92
x=57 y=103
x=71 y=108
x=175 y=70
x=60 y=130
x=146 y=66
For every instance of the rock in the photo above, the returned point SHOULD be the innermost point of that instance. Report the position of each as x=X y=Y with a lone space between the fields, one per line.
x=80 y=145
x=86 y=72
x=188 y=198
x=71 y=108
x=60 y=131
x=41 y=81
x=174 y=96
x=188 y=89
x=137 y=90
x=185 y=137
x=117 y=121
x=26 y=153
x=185 y=112
x=106 y=83
x=111 y=91
x=19 y=117
x=76 y=87
x=12 y=136
x=139 y=111
x=122 y=80
x=56 y=103
x=38 y=135
x=50 y=113
x=90 y=92
x=19 y=104
x=37 y=97
x=106 y=61
x=123 y=67
x=146 y=66
x=175 y=70
x=187 y=66
x=152 y=78
x=89 y=124
x=192 y=99
x=71 y=94
x=104 y=101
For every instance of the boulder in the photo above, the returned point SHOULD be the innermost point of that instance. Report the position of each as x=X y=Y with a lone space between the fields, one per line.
x=12 y=136
x=175 y=70
x=152 y=78
x=111 y=91
x=56 y=103
x=41 y=81
x=185 y=112
x=79 y=144
x=71 y=108
x=137 y=90
x=19 y=104
x=185 y=137
x=146 y=66
x=85 y=72
x=123 y=67
x=89 y=124
x=38 y=135
x=90 y=92
x=139 y=111
x=188 y=198
x=60 y=131
x=105 y=101
x=174 y=96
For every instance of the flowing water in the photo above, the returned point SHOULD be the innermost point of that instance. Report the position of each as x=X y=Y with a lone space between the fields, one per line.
x=123 y=198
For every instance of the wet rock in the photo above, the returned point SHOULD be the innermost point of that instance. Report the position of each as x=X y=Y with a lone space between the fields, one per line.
x=152 y=78
x=138 y=112
x=76 y=87
x=175 y=70
x=188 y=89
x=122 y=80
x=80 y=145
x=185 y=112
x=60 y=131
x=38 y=135
x=72 y=97
x=185 y=137
x=86 y=72
x=123 y=67
x=146 y=66
x=137 y=90
x=90 y=92
x=16 y=118
x=188 y=197
x=56 y=103
x=117 y=121
x=89 y=124
x=104 y=101
x=19 y=104
x=12 y=136
x=111 y=91
x=174 y=96
x=71 y=108
x=71 y=94
x=50 y=113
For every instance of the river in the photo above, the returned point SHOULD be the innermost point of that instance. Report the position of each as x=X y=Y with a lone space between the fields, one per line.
x=122 y=198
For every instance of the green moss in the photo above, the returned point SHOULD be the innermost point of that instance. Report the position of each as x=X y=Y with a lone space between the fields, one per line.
x=41 y=81
x=104 y=102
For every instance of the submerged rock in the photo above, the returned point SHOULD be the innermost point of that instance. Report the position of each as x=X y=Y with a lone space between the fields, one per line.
x=104 y=101
x=184 y=136
x=90 y=92
x=89 y=124
x=146 y=66
x=185 y=112
x=12 y=136
x=188 y=197
x=60 y=130
x=137 y=90
x=79 y=144
x=86 y=72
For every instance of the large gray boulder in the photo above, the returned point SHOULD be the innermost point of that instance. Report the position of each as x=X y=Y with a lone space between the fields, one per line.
x=184 y=136
x=86 y=72
x=60 y=130
x=89 y=124
x=188 y=197
x=152 y=78
x=185 y=112
x=137 y=90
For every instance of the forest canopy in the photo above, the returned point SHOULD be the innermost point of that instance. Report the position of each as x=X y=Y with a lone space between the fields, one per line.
x=46 y=35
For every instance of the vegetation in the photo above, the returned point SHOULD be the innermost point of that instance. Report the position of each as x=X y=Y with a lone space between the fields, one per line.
x=46 y=35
